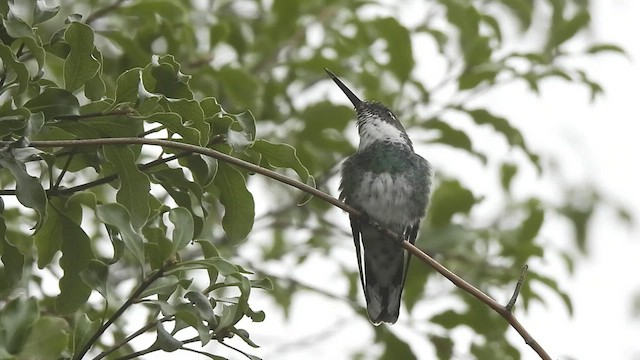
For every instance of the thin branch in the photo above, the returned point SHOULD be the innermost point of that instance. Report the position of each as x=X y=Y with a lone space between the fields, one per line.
x=455 y=279
x=142 y=287
x=516 y=291
x=124 y=111
x=196 y=351
x=137 y=354
x=102 y=12
x=107 y=179
x=72 y=153
x=247 y=355
x=139 y=332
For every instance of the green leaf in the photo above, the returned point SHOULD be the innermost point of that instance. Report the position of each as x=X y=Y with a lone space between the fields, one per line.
x=507 y=172
x=283 y=156
x=217 y=33
x=244 y=335
x=210 y=251
x=221 y=265
x=83 y=329
x=166 y=341
x=238 y=140
x=42 y=12
x=202 y=304
x=448 y=199
x=248 y=123
x=453 y=137
x=80 y=65
x=256 y=316
x=18 y=316
x=53 y=102
x=185 y=193
x=449 y=319
x=13 y=120
x=36 y=49
x=175 y=123
x=187 y=314
x=192 y=117
x=501 y=125
x=12 y=259
x=49 y=238
x=522 y=9
x=76 y=255
x=396 y=348
x=264 y=283
x=127 y=86
x=134 y=184
x=20 y=73
x=599 y=48
x=183 y=228
x=443 y=346
x=163 y=286
x=163 y=76
x=466 y=18
x=95 y=276
x=29 y=191
x=16 y=27
x=228 y=317
x=414 y=286
x=475 y=75
x=47 y=339
x=203 y=168
x=531 y=226
x=401 y=60
x=237 y=201
x=95 y=88
x=239 y=86
x=566 y=30
x=116 y=215
x=150 y=10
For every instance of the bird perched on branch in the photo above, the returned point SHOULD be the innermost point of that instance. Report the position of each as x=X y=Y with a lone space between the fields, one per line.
x=390 y=184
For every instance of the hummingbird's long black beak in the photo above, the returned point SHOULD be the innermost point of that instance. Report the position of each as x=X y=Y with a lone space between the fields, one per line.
x=352 y=97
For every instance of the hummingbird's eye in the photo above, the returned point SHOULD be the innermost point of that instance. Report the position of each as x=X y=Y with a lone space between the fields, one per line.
x=390 y=114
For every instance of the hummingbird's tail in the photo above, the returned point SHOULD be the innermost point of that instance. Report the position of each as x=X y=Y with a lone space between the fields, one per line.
x=384 y=267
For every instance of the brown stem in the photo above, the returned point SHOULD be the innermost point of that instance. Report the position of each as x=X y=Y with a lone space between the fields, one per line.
x=455 y=279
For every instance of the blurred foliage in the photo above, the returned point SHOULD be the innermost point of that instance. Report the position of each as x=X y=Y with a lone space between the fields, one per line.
x=242 y=77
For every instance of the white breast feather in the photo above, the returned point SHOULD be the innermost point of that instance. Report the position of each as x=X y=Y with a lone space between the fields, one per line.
x=377 y=130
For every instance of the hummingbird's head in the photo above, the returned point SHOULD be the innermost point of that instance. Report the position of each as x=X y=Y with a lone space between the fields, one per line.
x=376 y=122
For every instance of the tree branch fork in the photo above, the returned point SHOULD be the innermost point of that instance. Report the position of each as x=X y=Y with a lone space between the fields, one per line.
x=504 y=311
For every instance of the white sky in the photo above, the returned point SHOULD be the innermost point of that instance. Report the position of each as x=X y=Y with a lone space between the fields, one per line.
x=605 y=137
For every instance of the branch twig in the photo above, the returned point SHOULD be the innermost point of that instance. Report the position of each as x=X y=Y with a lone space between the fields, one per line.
x=516 y=291
x=102 y=12
x=455 y=279
x=143 y=286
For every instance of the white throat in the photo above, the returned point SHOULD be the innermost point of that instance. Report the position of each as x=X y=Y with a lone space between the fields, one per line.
x=373 y=130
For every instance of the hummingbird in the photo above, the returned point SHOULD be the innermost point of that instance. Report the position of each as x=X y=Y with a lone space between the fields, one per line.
x=389 y=184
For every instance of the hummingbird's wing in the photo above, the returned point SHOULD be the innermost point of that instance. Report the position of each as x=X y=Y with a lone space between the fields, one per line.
x=356 y=231
x=410 y=235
